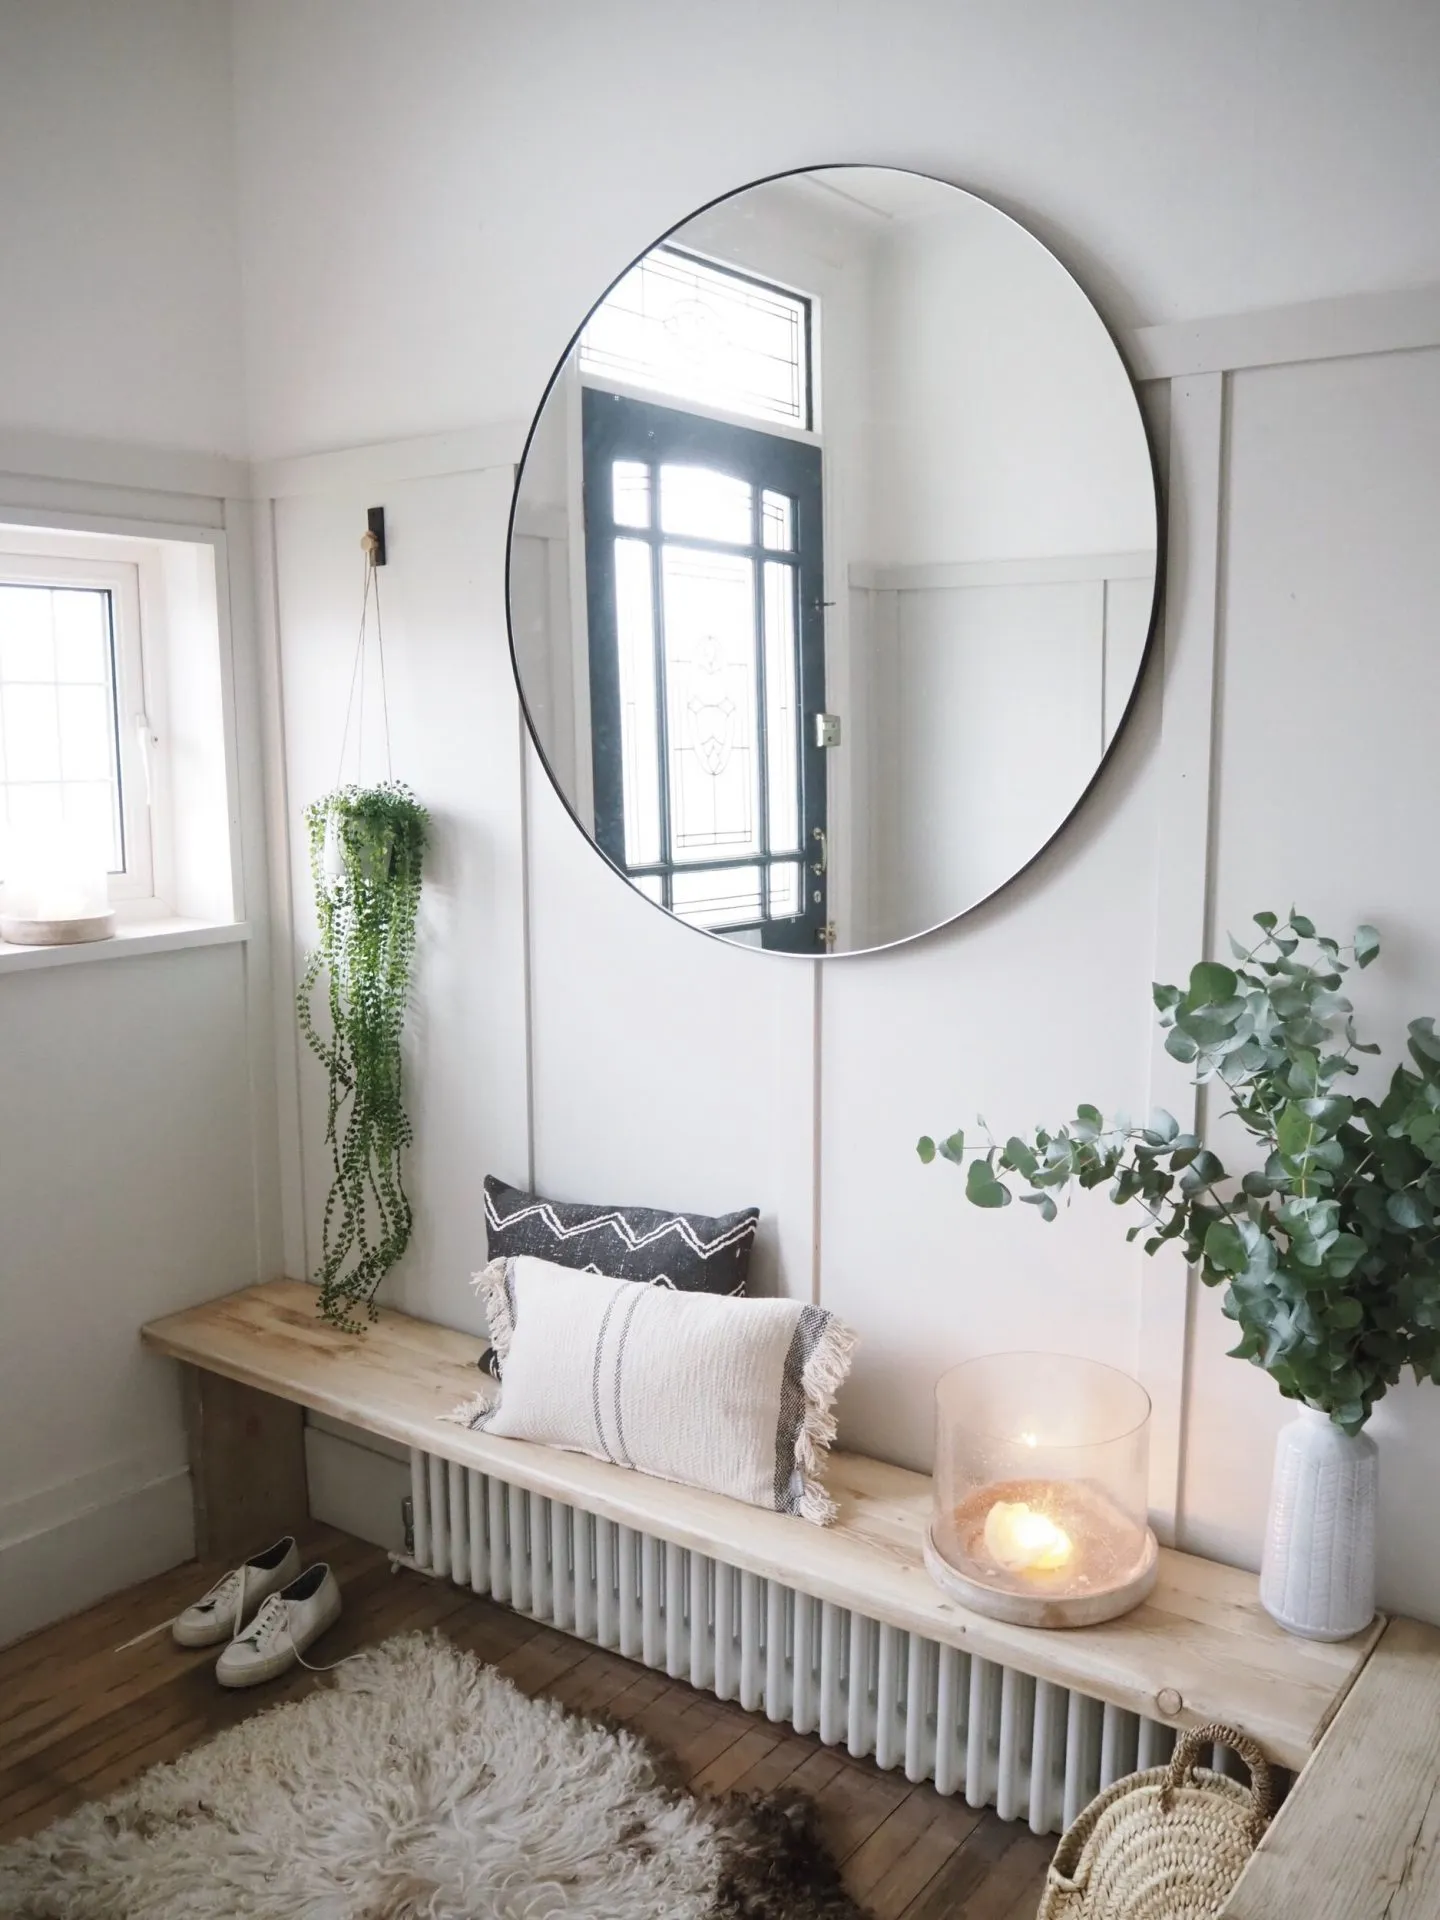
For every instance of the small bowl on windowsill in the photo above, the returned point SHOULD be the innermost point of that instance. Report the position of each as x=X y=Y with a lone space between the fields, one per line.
x=68 y=931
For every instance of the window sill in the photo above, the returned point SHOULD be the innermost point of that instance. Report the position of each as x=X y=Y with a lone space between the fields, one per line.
x=133 y=938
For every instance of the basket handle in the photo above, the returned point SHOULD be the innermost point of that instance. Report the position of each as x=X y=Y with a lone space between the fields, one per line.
x=1187 y=1752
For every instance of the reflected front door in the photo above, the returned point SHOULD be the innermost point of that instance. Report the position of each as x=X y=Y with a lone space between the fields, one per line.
x=705 y=574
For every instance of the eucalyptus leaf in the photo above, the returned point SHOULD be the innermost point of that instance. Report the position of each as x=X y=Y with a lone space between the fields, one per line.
x=982 y=1189
x=1210 y=984
x=1408 y=1210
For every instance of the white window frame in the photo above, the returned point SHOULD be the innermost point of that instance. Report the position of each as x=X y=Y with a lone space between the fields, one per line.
x=129 y=571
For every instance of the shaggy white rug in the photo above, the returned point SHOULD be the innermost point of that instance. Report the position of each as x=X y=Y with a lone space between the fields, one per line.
x=421 y=1785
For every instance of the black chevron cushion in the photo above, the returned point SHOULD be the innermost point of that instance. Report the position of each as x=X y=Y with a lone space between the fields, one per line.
x=687 y=1251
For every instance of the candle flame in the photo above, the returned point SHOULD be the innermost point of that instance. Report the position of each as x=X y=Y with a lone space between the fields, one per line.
x=1023 y=1540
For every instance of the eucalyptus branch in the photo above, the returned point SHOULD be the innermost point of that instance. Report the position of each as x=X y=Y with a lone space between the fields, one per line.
x=1327 y=1251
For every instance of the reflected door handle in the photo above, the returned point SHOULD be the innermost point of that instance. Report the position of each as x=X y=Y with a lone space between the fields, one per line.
x=819 y=866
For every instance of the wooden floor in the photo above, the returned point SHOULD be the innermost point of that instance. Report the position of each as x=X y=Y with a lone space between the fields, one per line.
x=79 y=1719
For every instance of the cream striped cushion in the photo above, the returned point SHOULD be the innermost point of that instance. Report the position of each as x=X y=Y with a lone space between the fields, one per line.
x=734 y=1395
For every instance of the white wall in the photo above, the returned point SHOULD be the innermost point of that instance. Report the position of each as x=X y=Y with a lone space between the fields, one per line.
x=1185 y=162
x=428 y=213
x=118 y=222
x=137 y=1130
x=126 y=1190
x=456 y=737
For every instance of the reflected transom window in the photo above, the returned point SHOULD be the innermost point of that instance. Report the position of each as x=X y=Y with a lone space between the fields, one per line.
x=678 y=325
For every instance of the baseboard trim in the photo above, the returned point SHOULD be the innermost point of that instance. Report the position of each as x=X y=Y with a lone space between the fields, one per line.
x=61 y=1569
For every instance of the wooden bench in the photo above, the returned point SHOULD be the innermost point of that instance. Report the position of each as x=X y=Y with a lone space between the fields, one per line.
x=1359 y=1836
x=1200 y=1649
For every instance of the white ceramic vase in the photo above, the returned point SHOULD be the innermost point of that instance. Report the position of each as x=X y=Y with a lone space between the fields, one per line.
x=1317 y=1576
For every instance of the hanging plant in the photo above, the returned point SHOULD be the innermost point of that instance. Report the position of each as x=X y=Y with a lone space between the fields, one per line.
x=367 y=846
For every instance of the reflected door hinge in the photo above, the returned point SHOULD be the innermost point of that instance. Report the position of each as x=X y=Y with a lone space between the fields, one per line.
x=826 y=935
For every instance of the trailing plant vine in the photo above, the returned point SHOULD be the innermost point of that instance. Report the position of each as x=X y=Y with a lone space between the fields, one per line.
x=1329 y=1250
x=367 y=847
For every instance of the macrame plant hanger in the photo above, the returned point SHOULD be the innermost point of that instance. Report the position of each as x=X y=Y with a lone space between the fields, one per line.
x=372 y=545
x=367 y=846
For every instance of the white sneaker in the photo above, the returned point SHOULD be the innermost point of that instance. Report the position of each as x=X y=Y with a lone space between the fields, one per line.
x=284 y=1627
x=233 y=1599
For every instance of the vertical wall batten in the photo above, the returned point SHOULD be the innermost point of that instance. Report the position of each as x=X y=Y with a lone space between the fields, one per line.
x=1030 y=1748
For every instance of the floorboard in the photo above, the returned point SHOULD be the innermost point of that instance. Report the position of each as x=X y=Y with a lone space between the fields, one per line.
x=83 y=1713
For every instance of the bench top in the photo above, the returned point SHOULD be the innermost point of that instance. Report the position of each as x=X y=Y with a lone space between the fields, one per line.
x=1359 y=1838
x=1201 y=1636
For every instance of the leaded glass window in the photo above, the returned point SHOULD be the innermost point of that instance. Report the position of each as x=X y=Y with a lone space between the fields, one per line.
x=681 y=326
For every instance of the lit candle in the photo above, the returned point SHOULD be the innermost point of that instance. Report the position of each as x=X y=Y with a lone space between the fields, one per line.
x=1023 y=1540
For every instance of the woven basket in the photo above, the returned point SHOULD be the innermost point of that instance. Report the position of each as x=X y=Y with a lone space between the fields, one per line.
x=1167 y=1844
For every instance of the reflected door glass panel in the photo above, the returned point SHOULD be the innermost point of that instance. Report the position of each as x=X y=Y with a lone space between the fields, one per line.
x=639 y=728
x=631 y=493
x=785 y=884
x=706 y=505
x=710 y=684
x=777 y=522
x=782 y=720
x=724 y=897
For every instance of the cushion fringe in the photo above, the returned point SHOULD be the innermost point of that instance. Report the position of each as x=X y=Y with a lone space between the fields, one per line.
x=821 y=1379
x=495 y=1297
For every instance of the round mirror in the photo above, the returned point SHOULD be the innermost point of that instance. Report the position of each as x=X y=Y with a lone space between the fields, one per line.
x=833 y=560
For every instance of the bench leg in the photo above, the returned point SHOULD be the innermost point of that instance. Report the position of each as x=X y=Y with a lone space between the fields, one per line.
x=247 y=1465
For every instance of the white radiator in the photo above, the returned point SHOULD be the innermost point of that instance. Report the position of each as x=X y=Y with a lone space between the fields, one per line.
x=1031 y=1749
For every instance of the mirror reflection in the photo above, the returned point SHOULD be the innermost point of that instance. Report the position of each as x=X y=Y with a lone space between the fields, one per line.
x=833 y=560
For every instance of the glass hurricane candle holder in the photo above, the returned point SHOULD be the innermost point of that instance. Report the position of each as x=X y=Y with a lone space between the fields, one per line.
x=56 y=891
x=1041 y=1478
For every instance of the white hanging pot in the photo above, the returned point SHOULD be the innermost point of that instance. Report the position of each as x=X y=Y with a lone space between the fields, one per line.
x=1317 y=1576
x=332 y=858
